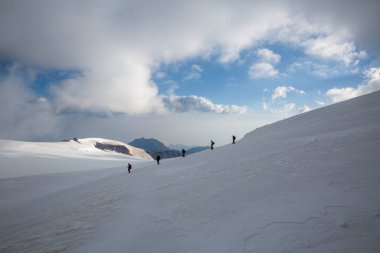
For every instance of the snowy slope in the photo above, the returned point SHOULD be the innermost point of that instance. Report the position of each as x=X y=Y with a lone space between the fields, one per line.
x=19 y=158
x=309 y=183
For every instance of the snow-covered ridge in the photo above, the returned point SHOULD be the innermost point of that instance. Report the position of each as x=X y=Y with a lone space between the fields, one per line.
x=19 y=158
x=83 y=148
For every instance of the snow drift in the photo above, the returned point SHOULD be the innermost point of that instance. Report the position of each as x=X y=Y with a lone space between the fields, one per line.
x=309 y=183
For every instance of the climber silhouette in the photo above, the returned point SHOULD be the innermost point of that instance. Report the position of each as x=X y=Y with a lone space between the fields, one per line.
x=233 y=139
x=212 y=145
x=183 y=152
x=158 y=159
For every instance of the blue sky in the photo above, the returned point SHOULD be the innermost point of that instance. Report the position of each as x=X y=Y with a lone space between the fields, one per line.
x=232 y=84
x=180 y=72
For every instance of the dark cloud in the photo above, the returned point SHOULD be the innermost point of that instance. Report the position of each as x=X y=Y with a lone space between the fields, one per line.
x=360 y=18
x=24 y=115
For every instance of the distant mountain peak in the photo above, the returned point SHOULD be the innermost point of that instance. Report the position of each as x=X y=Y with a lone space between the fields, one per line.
x=149 y=144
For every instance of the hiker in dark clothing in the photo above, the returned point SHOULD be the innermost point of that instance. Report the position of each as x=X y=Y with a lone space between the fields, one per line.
x=183 y=152
x=233 y=139
x=129 y=168
x=212 y=145
x=158 y=159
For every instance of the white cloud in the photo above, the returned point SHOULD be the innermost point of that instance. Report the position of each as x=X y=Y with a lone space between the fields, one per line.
x=160 y=75
x=268 y=55
x=281 y=92
x=172 y=87
x=262 y=70
x=340 y=94
x=371 y=84
x=321 y=70
x=285 y=109
x=195 y=73
x=332 y=47
x=109 y=91
x=264 y=67
x=196 y=68
x=304 y=109
x=321 y=41
x=265 y=105
x=324 y=71
x=320 y=103
x=288 y=107
x=199 y=104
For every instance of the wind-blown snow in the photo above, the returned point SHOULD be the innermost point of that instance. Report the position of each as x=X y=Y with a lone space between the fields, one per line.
x=306 y=184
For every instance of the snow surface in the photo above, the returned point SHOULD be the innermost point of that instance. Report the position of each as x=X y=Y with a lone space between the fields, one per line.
x=309 y=183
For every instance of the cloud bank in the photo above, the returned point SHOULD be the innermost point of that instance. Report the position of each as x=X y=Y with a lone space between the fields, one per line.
x=116 y=44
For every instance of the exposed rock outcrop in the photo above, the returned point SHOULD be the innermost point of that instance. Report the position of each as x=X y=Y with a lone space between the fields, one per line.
x=112 y=147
